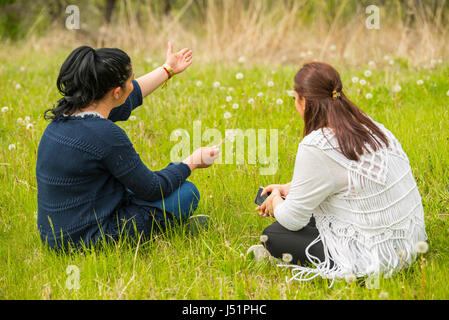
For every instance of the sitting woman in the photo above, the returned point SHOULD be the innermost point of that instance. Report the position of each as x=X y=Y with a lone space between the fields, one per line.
x=91 y=182
x=352 y=207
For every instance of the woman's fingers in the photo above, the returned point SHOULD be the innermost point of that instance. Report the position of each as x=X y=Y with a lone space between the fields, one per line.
x=266 y=190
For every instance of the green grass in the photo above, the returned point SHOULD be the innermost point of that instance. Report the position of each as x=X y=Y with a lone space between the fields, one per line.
x=213 y=265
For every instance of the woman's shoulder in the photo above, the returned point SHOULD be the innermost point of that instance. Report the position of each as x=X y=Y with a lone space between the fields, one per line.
x=322 y=138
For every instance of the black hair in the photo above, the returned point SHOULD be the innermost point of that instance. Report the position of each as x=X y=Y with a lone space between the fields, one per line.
x=87 y=75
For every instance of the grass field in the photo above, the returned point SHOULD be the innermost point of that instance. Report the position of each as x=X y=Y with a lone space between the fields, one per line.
x=213 y=265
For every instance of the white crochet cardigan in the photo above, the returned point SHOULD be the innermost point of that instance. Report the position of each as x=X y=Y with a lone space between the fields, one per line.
x=368 y=228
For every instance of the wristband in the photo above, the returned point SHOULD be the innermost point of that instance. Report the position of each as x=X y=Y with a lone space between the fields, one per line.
x=168 y=69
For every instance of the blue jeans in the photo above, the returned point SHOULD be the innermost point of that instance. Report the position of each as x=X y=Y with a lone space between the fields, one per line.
x=140 y=216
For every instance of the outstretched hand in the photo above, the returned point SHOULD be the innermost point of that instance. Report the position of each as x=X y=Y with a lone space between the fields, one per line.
x=178 y=61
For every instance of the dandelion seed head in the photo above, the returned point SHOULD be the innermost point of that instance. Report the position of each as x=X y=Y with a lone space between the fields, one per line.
x=447 y=93
x=362 y=82
x=263 y=238
x=421 y=247
x=242 y=59
x=230 y=89
x=18 y=86
x=22 y=68
x=419 y=82
x=227 y=115
x=235 y=106
x=350 y=278
x=239 y=76
x=333 y=47
x=270 y=83
x=132 y=118
x=355 y=79
x=216 y=84
x=260 y=94
x=287 y=257
x=19 y=120
x=369 y=96
x=27 y=119
x=148 y=60
x=199 y=83
x=228 y=98
x=383 y=295
x=251 y=101
x=279 y=101
x=12 y=147
x=391 y=62
x=5 y=109
x=397 y=88
x=291 y=93
x=371 y=64
x=29 y=126
x=368 y=73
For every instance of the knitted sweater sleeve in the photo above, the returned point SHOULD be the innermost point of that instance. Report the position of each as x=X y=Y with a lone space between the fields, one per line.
x=124 y=163
x=122 y=113
x=312 y=183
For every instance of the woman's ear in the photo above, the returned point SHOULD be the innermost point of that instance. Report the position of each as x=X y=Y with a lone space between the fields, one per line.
x=116 y=92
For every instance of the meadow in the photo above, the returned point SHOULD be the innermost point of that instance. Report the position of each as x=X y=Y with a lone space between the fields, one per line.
x=413 y=102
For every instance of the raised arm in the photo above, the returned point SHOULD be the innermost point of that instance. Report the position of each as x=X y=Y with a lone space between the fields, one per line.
x=177 y=61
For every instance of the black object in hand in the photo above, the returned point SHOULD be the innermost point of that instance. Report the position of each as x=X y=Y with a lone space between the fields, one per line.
x=260 y=199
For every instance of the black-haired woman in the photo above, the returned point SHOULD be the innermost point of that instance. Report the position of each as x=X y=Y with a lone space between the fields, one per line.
x=92 y=184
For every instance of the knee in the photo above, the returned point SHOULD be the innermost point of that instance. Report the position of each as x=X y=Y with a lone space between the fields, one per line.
x=190 y=196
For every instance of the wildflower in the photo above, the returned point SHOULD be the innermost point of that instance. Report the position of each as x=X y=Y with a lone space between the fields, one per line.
x=235 y=106
x=27 y=119
x=368 y=73
x=251 y=101
x=239 y=76
x=391 y=62
x=230 y=89
x=228 y=98
x=263 y=238
x=242 y=59
x=447 y=93
x=12 y=147
x=279 y=101
x=371 y=64
x=18 y=86
x=333 y=47
x=199 y=83
x=223 y=106
x=421 y=247
x=397 y=88
x=287 y=257
x=216 y=84
x=260 y=94
x=148 y=60
x=350 y=278
x=270 y=83
x=419 y=82
x=383 y=295
x=355 y=79
x=369 y=96
x=291 y=93
x=22 y=68
x=362 y=82
x=132 y=118
x=227 y=115
x=5 y=108
x=29 y=126
x=19 y=120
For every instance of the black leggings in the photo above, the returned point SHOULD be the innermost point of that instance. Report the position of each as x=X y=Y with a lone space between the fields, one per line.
x=281 y=240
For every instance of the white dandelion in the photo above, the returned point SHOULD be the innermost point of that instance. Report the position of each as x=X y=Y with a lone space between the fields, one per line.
x=367 y=73
x=216 y=84
x=270 y=83
x=27 y=119
x=260 y=94
x=263 y=238
x=148 y=60
x=371 y=64
x=391 y=62
x=287 y=257
x=362 y=82
x=447 y=93
x=421 y=247
x=199 y=83
x=5 y=109
x=228 y=98
x=350 y=278
x=355 y=79
x=291 y=93
x=19 y=120
x=242 y=59
x=235 y=106
x=369 y=96
x=132 y=118
x=383 y=295
x=397 y=88
x=18 y=86
x=251 y=101
x=279 y=101
x=333 y=47
x=239 y=76
x=419 y=82
x=12 y=147
x=22 y=68
x=230 y=89
x=227 y=115
x=29 y=126
x=223 y=106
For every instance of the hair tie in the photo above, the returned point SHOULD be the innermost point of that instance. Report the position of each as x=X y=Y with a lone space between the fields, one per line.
x=336 y=94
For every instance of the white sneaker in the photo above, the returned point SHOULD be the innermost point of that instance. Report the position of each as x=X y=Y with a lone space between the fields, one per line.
x=259 y=251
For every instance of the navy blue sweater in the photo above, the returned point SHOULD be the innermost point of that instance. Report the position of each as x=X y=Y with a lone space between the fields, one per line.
x=84 y=166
